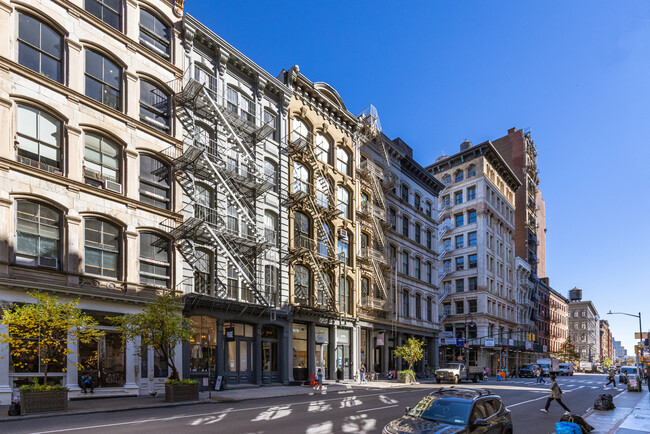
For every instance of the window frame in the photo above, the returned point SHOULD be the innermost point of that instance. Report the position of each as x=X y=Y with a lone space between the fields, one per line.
x=118 y=252
x=151 y=33
x=151 y=182
x=101 y=80
x=100 y=175
x=343 y=164
x=102 y=6
x=152 y=108
x=41 y=52
x=59 y=232
x=40 y=142
x=155 y=262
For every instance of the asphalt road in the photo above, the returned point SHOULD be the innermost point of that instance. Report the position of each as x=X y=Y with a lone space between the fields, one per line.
x=355 y=411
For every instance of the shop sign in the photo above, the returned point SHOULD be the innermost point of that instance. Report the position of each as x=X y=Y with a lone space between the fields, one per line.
x=230 y=334
x=489 y=342
x=448 y=341
x=380 y=339
x=460 y=342
x=446 y=334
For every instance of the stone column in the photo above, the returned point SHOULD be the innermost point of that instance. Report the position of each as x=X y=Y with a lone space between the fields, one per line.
x=8 y=24
x=332 y=353
x=131 y=172
x=289 y=352
x=311 y=349
x=5 y=215
x=130 y=256
x=257 y=354
x=5 y=384
x=220 y=349
x=75 y=154
x=74 y=69
x=130 y=386
x=72 y=372
x=74 y=262
x=6 y=121
x=131 y=95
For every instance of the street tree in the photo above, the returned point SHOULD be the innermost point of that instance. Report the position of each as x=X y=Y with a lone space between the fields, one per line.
x=42 y=332
x=607 y=362
x=160 y=326
x=567 y=352
x=411 y=352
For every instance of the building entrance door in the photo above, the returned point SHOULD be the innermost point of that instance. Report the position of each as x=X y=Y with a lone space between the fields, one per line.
x=343 y=365
x=239 y=355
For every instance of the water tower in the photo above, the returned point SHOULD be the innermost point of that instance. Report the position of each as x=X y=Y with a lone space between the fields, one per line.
x=575 y=294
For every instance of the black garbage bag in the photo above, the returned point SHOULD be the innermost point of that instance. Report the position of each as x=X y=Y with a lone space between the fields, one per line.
x=577 y=419
x=604 y=402
x=14 y=409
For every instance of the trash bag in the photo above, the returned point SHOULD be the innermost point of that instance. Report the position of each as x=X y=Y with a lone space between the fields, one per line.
x=577 y=419
x=14 y=409
x=567 y=428
x=604 y=402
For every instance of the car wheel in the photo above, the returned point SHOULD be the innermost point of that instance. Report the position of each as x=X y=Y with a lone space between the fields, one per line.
x=456 y=380
x=438 y=380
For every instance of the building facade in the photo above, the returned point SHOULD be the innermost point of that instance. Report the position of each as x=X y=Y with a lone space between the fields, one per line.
x=544 y=313
x=606 y=347
x=476 y=276
x=559 y=309
x=85 y=101
x=584 y=326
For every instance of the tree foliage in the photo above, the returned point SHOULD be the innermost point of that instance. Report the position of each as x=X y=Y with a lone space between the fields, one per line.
x=160 y=326
x=41 y=332
x=411 y=351
x=567 y=353
x=607 y=362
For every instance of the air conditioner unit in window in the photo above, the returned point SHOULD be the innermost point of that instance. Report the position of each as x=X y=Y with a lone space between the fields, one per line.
x=343 y=235
x=113 y=186
x=48 y=262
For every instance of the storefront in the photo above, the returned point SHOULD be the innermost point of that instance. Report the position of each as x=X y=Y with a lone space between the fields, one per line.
x=322 y=350
x=343 y=360
x=300 y=358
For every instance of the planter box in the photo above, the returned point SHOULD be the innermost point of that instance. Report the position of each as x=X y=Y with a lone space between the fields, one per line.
x=32 y=402
x=405 y=378
x=181 y=392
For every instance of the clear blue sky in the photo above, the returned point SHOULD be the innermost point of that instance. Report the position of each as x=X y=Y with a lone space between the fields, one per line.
x=576 y=73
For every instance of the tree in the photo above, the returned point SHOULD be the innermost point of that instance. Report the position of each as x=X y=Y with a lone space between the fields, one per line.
x=160 y=326
x=567 y=353
x=41 y=332
x=607 y=362
x=411 y=351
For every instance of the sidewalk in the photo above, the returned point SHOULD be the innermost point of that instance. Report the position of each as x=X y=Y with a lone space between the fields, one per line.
x=110 y=404
x=631 y=415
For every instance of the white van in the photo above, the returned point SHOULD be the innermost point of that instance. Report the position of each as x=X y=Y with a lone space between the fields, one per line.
x=566 y=368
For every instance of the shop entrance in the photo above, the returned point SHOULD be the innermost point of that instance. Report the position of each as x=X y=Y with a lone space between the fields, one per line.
x=239 y=353
x=322 y=350
x=270 y=353
x=104 y=360
x=343 y=362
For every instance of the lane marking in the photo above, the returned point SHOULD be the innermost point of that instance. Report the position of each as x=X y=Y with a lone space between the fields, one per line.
x=377 y=408
x=526 y=402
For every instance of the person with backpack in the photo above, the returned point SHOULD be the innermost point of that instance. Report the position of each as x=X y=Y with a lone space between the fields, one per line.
x=319 y=380
x=612 y=378
x=556 y=394
x=86 y=383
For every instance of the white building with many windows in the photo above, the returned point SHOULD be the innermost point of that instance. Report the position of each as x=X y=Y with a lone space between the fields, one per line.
x=85 y=103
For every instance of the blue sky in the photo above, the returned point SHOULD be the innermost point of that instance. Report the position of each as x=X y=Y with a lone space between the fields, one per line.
x=576 y=73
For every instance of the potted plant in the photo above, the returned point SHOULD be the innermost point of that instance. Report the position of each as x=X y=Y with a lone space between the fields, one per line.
x=181 y=390
x=411 y=352
x=42 y=398
x=407 y=376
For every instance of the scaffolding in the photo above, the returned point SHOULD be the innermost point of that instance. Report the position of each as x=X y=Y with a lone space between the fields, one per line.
x=227 y=164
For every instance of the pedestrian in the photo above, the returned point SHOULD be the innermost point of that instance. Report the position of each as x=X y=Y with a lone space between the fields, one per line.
x=612 y=379
x=556 y=394
x=486 y=372
x=362 y=373
x=540 y=376
x=319 y=380
x=87 y=382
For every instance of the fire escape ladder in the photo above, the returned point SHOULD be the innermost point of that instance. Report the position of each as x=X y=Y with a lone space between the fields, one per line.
x=381 y=282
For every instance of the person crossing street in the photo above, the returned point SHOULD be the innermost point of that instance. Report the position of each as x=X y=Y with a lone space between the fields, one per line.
x=611 y=377
x=556 y=394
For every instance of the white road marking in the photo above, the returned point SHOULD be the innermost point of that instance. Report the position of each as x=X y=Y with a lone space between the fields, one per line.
x=526 y=402
x=377 y=408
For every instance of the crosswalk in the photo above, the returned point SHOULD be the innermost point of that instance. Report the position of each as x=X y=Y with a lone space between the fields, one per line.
x=590 y=384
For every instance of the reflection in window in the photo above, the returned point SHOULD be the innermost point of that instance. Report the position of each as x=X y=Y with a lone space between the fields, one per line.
x=40 y=48
x=102 y=248
x=155 y=188
x=38 y=234
x=103 y=80
x=154 y=106
x=39 y=139
x=155 y=264
x=154 y=33
x=109 y=11
x=101 y=160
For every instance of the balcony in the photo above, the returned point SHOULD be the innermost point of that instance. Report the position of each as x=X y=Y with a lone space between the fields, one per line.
x=368 y=253
x=376 y=303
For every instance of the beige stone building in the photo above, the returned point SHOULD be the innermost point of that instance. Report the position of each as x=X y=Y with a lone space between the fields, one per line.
x=84 y=186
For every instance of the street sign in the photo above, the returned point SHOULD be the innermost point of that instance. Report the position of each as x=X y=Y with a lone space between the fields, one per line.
x=460 y=342
x=489 y=342
x=446 y=334
x=636 y=335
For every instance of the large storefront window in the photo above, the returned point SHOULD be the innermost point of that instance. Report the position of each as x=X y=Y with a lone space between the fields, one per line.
x=322 y=349
x=104 y=360
x=25 y=367
x=300 y=352
x=270 y=354
x=238 y=353
x=203 y=344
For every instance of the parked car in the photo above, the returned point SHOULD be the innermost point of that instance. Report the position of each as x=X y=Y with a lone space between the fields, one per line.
x=454 y=410
x=527 y=371
x=566 y=369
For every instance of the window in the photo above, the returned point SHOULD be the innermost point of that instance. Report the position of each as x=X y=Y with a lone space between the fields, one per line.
x=472 y=305
x=271 y=173
x=460 y=306
x=343 y=161
x=270 y=119
x=301 y=284
x=460 y=263
x=301 y=231
x=418 y=230
x=429 y=273
x=417 y=201
x=343 y=197
x=155 y=187
x=418 y=268
x=472 y=283
x=154 y=106
x=102 y=248
x=300 y=178
x=154 y=34
x=40 y=48
x=458 y=197
x=428 y=239
x=344 y=295
x=447 y=266
x=323 y=248
x=429 y=309
x=392 y=253
x=460 y=240
x=471 y=239
x=39 y=139
x=103 y=80
x=471 y=193
x=322 y=191
x=459 y=220
x=101 y=161
x=392 y=218
x=405 y=193
x=109 y=11
x=323 y=148
x=405 y=263
x=427 y=209
x=446 y=180
x=270 y=227
x=155 y=264
x=344 y=251
x=471 y=217
x=472 y=261
x=405 y=226
x=460 y=285
x=38 y=234
x=365 y=287
x=405 y=303
x=459 y=176
x=471 y=172
x=418 y=306
x=300 y=131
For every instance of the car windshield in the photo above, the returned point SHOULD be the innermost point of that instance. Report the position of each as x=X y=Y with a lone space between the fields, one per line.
x=440 y=409
x=452 y=365
x=628 y=369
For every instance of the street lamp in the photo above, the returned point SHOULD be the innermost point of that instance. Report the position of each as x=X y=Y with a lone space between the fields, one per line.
x=638 y=357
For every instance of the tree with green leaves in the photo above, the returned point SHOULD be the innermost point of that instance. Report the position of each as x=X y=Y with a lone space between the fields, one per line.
x=160 y=326
x=411 y=352
x=41 y=332
x=567 y=353
x=607 y=362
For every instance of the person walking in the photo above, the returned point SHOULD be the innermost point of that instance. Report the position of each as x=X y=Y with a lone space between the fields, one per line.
x=362 y=373
x=540 y=376
x=556 y=394
x=319 y=380
x=612 y=379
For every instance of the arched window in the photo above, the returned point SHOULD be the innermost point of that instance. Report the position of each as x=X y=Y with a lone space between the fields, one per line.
x=203 y=201
x=471 y=172
x=405 y=226
x=109 y=11
x=459 y=176
x=343 y=198
x=405 y=303
x=342 y=161
x=232 y=220
x=392 y=218
x=271 y=274
x=270 y=227
x=323 y=288
x=102 y=248
x=300 y=178
x=365 y=287
x=39 y=138
x=301 y=284
x=323 y=249
x=233 y=282
x=154 y=33
x=271 y=173
x=418 y=306
x=405 y=193
x=155 y=260
x=405 y=263
x=103 y=80
x=155 y=188
x=418 y=233
x=418 y=268
x=417 y=201
x=300 y=131
x=344 y=295
x=446 y=180
x=322 y=191
x=429 y=278
x=102 y=162
x=323 y=148
x=429 y=309
x=302 y=231
x=365 y=243
x=343 y=250
x=202 y=272
x=40 y=47
x=38 y=234
x=154 y=106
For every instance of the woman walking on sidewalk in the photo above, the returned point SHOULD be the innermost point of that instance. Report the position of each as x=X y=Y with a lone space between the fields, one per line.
x=556 y=394
x=612 y=378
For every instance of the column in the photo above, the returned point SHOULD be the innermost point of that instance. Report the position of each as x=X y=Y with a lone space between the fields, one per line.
x=220 y=348
x=5 y=216
x=8 y=24
x=131 y=387
x=257 y=354
x=311 y=349
x=130 y=256
x=332 y=354
x=5 y=384
x=72 y=372
x=74 y=156
x=73 y=263
x=288 y=337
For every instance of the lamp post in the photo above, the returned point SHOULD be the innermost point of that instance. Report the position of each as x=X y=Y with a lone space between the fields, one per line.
x=467 y=316
x=638 y=357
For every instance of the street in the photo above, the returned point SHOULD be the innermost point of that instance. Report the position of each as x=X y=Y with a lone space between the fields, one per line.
x=362 y=410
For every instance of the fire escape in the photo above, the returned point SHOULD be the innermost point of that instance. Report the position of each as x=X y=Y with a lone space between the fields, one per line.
x=444 y=226
x=227 y=165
